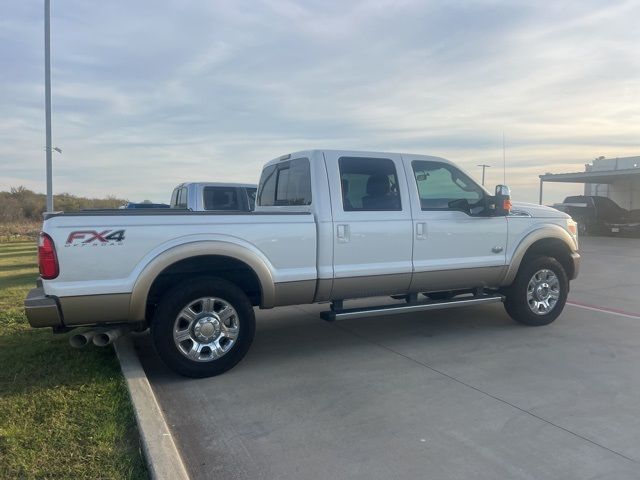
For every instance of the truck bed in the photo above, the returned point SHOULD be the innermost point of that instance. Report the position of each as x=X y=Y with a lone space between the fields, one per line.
x=104 y=251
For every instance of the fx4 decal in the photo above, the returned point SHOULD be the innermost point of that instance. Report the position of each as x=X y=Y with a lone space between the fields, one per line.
x=93 y=237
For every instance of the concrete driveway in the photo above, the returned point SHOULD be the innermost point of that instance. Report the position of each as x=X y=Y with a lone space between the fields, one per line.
x=458 y=394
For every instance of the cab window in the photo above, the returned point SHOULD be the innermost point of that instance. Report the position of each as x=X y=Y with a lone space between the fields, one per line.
x=369 y=184
x=221 y=198
x=443 y=187
x=179 y=198
x=251 y=198
x=286 y=184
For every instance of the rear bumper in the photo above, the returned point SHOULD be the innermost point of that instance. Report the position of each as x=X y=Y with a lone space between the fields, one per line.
x=41 y=311
x=575 y=257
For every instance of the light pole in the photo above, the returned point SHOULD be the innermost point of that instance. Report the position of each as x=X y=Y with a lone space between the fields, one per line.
x=484 y=167
x=47 y=101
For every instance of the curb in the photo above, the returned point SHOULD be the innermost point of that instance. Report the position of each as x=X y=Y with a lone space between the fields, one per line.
x=160 y=451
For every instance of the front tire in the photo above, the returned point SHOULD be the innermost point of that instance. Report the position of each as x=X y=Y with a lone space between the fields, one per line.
x=203 y=327
x=539 y=292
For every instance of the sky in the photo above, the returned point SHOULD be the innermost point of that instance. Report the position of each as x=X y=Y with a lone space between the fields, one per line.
x=149 y=94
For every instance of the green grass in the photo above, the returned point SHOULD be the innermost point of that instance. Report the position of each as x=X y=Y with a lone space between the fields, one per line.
x=64 y=413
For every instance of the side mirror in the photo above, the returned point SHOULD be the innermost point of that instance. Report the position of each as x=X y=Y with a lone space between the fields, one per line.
x=502 y=201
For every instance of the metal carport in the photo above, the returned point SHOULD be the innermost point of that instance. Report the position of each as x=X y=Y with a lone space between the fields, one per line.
x=610 y=177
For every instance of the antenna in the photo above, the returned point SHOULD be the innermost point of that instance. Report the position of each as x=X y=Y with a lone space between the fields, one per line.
x=504 y=162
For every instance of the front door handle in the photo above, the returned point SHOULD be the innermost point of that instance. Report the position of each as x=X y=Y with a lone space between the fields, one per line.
x=342 y=232
x=421 y=230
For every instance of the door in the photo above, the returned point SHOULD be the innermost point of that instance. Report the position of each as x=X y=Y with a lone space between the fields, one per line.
x=372 y=229
x=457 y=244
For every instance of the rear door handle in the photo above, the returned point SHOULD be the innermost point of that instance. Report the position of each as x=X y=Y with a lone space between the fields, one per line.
x=421 y=230
x=342 y=233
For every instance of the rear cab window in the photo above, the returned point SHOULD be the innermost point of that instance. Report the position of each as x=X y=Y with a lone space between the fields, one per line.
x=286 y=183
x=221 y=198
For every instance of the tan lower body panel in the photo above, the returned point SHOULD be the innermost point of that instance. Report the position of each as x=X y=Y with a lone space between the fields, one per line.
x=94 y=309
x=323 y=290
x=457 y=279
x=114 y=308
x=294 y=293
x=359 y=287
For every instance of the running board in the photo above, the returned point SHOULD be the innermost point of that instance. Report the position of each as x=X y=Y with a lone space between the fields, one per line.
x=347 y=313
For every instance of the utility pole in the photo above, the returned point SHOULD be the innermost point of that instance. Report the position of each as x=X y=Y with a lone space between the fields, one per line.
x=47 y=101
x=484 y=167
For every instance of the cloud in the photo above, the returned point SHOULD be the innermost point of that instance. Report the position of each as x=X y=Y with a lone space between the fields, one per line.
x=147 y=96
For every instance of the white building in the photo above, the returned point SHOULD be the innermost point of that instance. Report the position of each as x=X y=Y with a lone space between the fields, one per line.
x=615 y=178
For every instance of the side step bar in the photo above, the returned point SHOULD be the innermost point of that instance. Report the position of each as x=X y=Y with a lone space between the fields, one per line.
x=343 y=314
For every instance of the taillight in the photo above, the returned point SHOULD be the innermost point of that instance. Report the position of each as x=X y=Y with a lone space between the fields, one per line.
x=47 y=259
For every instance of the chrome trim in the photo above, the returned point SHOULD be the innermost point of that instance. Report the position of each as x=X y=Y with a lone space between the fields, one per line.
x=543 y=291
x=402 y=308
x=206 y=329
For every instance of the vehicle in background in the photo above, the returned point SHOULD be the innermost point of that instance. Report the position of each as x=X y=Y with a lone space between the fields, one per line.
x=628 y=229
x=144 y=205
x=600 y=215
x=208 y=196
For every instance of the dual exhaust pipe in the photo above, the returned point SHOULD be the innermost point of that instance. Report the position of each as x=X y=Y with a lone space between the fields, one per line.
x=100 y=338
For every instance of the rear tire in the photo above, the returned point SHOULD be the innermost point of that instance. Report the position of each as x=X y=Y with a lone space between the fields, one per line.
x=203 y=327
x=539 y=292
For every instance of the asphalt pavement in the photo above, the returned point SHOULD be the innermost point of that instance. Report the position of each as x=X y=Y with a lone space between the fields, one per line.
x=453 y=394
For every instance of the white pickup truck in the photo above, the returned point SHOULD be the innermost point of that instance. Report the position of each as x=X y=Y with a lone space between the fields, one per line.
x=329 y=226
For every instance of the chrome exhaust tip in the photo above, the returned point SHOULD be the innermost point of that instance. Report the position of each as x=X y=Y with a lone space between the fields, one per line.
x=80 y=340
x=107 y=337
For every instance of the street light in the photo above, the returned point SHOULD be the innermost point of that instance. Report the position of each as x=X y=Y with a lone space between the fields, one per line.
x=484 y=167
x=47 y=101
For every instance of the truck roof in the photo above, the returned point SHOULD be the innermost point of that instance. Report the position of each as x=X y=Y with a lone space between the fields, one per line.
x=314 y=152
x=217 y=184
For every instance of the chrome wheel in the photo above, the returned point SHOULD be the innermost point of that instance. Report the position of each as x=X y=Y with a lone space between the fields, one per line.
x=543 y=291
x=206 y=329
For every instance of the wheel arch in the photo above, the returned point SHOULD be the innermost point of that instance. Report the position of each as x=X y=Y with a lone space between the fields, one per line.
x=551 y=240
x=199 y=257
